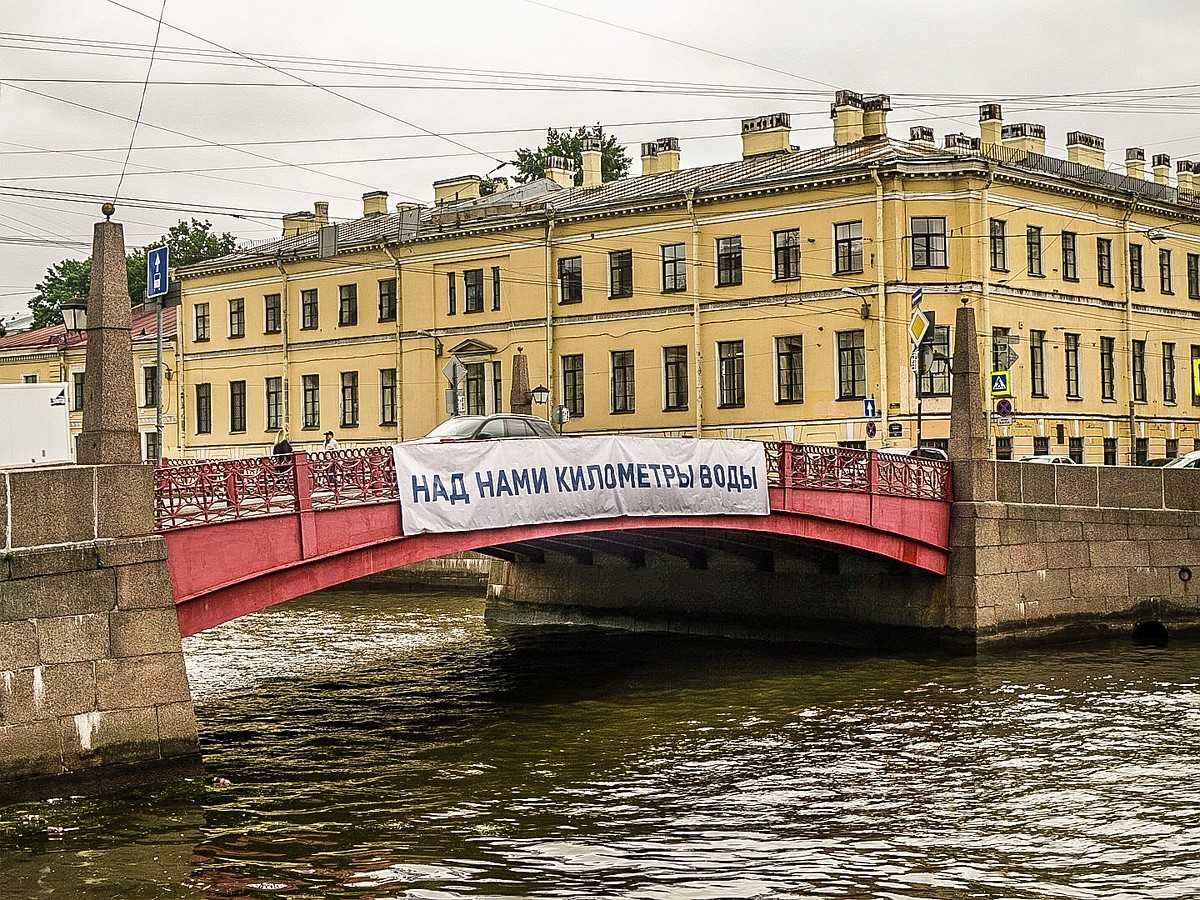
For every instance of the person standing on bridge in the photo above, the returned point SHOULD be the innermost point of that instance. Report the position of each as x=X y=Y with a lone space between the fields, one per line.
x=282 y=446
x=330 y=442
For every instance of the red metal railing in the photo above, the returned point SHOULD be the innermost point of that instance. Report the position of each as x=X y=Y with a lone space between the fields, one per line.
x=202 y=491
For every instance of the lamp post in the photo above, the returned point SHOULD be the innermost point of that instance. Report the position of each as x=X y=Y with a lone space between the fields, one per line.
x=540 y=395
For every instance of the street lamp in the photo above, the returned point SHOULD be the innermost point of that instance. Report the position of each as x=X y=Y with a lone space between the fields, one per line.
x=540 y=395
x=74 y=313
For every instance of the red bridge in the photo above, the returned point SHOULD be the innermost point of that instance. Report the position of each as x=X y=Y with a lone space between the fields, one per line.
x=243 y=535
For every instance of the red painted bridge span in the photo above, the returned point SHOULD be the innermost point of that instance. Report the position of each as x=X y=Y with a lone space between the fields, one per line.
x=243 y=535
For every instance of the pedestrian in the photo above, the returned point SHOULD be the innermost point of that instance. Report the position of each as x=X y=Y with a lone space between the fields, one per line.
x=330 y=443
x=282 y=447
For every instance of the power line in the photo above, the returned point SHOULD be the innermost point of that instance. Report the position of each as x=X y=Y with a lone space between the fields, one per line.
x=142 y=101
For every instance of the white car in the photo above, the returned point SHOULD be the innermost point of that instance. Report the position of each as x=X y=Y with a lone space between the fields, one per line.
x=1050 y=459
x=920 y=452
x=1187 y=461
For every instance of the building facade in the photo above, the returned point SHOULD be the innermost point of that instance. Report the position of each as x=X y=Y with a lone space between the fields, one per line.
x=56 y=354
x=771 y=297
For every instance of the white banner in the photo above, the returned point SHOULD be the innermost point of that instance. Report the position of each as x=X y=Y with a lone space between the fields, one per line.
x=470 y=485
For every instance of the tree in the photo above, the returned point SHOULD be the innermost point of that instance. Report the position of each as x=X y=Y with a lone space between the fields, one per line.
x=189 y=242
x=614 y=161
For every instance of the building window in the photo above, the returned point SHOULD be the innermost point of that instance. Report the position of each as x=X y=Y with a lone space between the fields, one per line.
x=451 y=294
x=852 y=365
x=202 y=322
x=497 y=388
x=387 y=396
x=309 y=318
x=622 y=381
x=937 y=385
x=274 y=403
x=1041 y=446
x=311 y=387
x=1072 y=360
x=675 y=375
x=620 y=273
x=1135 y=268
x=1193 y=275
x=387 y=300
x=1104 y=272
x=1003 y=448
x=495 y=288
x=1172 y=448
x=237 y=407
x=473 y=288
x=1000 y=348
x=29 y=379
x=1168 y=370
x=153 y=447
x=77 y=391
x=1108 y=369
x=204 y=409
x=999 y=245
x=349 y=399
x=1139 y=371
x=476 y=388
x=150 y=386
x=1033 y=249
x=237 y=318
x=1070 y=256
x=572 y=374
x=272 y=314
x=1075 y=449
x=928 y=242
x=789 y=369
x=348 y=304
x=1037 y=363
x=731 y=374
x=847 y=248
x=674 y=267
x=1164 y=271
x=729 y=261
x=570 y=279
x=787 y=254
x=1141 y=449
x=1110 y=451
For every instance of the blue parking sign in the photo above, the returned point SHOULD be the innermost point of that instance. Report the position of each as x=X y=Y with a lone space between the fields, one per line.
x=156 y=272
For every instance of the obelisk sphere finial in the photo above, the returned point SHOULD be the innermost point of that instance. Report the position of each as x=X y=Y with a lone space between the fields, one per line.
x=108 y=209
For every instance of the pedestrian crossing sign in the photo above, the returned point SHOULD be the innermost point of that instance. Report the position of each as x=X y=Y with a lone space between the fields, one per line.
x=1000 y=384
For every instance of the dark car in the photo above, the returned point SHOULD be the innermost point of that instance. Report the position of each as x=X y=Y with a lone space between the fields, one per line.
x=487 y=428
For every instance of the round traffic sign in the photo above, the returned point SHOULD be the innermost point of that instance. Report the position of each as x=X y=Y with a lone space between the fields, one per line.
x=870 y=429
x=1004 y=407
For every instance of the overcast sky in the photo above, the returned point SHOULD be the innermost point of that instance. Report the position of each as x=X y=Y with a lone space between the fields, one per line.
x=259 y=107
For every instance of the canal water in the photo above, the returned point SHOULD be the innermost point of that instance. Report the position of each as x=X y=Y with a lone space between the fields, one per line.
x=381 y=745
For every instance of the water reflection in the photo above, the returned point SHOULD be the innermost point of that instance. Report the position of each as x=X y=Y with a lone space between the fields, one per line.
x=393 y=746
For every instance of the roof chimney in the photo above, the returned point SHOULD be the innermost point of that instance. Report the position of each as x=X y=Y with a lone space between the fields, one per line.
x=990 y=122
x=875 y=110
x=766 y=134
x=1162 y=168
x=1135 y=163
x=593 y=154
x=668 y=154
x=321 y=211
x=650 y=158
x=1025 y=136
x=847 y=114
x=1085 y=149
x=921 y=134
x=560 y=171
x=461 y=187
x=375 y=203
x=1184 y=179
x=305 y=222
x=963 y=143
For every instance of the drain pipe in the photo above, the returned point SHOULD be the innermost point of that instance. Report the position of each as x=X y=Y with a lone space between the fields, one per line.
x=695 y=267
x=1127 y=294
x=549 y=277
x=399 y=401
x=986 y=263
x=284 y=306
x=881 y=307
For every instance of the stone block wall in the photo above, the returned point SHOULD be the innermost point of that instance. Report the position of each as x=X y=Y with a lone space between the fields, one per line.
x=91 y=666
x=1047 y=553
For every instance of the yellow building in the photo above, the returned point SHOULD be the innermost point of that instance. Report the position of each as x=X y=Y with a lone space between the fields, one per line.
x=768 y=297
x=55 y=354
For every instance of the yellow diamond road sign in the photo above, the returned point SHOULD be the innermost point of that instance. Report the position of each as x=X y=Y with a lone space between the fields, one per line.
x=917 y=326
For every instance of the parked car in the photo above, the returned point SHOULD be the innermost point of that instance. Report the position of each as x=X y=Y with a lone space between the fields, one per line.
x=1050 y=459
x=1157 y=462
x=920 y=452
x=1187 y=461
x=487 y=428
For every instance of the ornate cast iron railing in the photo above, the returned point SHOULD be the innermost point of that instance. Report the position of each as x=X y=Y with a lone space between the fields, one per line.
x=195 y=492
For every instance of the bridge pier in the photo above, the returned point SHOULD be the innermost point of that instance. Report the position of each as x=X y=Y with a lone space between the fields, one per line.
x=91 y=667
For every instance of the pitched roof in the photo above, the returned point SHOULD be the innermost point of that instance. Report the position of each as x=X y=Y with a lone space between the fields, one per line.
x=56 y=337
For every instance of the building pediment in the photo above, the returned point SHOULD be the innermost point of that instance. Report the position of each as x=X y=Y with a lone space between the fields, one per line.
x=472 y=347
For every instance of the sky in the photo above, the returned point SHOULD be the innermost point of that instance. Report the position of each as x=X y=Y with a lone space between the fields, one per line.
x=238 y=112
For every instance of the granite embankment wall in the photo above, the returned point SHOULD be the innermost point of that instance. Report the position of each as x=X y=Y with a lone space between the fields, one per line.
x=1053 y=553
x=91 y=667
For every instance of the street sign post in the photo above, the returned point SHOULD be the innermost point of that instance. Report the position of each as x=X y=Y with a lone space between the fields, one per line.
x=456 y=397
x=156 y=272
x=918 y=326
x=869 y=408
x=1001 y=386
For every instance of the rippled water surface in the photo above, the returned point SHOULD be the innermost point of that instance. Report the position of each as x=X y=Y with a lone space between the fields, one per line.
x=384 y=745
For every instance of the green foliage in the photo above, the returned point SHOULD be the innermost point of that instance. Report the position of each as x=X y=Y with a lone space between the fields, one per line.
x=614 y=161
x=189 y=242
